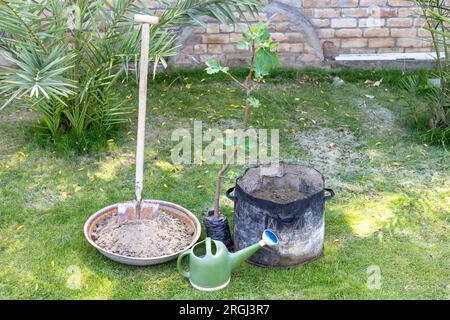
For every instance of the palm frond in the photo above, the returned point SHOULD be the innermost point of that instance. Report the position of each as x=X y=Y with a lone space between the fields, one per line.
x=38 y=74
x=67 y=71
x=17 y=20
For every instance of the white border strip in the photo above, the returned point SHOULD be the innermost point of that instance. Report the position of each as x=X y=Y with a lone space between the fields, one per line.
x=427 y=56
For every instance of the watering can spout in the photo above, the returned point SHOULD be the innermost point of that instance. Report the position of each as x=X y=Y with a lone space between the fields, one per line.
x=237 y=258
x=268 y=239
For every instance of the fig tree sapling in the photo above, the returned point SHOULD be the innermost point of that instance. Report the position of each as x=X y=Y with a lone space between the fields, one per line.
x=263 y=58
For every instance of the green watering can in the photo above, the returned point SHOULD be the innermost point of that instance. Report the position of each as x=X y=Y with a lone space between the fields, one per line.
x=210 y=263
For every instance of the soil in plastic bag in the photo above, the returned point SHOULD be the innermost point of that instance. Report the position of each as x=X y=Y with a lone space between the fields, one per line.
x=218 y=229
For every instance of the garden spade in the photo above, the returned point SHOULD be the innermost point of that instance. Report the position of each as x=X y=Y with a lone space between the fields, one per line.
x=138 y=209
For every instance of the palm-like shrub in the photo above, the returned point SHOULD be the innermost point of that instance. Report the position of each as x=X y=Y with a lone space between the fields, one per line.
x=68 y=56
x=436 y=14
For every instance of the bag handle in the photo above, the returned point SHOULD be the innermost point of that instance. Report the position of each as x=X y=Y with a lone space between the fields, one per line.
x=229 y=196
x=293 y=217
x=330 y=196
x=281 y=220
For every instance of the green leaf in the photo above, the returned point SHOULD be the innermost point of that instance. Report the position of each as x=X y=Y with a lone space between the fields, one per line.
x=255 y=103
x=242 y=45
x=213 y=67
x=261 y=32
x=265 y=61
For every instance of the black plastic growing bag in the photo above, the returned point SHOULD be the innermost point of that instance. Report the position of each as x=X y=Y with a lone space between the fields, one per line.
x=218 y=229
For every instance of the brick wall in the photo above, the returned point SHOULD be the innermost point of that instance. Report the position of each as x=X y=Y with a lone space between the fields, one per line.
x=305 y=27
x=369 y=26
x=309 y=31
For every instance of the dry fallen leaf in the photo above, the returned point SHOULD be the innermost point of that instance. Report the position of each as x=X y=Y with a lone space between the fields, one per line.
x=378 y=83
x=373 y=83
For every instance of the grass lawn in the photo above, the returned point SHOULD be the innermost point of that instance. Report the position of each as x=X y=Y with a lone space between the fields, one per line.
x=391 y=208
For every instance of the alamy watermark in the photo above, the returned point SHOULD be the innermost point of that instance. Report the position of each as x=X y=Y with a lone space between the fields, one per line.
x=374 y=19
x=216 y=146
x=373 y=274
x=73 y=281
x=73 y=15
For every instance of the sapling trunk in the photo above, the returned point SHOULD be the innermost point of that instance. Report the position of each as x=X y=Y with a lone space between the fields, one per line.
x=230 y=160
x=249 y=87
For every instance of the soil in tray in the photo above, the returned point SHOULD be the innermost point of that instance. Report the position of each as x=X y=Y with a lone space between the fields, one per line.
x=279 y=195
x=146 y=238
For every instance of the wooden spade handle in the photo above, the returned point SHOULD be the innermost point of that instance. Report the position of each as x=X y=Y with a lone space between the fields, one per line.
x=146 y=21
x=143 y=18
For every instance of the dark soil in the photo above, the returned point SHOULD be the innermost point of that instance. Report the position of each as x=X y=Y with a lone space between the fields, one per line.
x=145 y=238
x=282 y=196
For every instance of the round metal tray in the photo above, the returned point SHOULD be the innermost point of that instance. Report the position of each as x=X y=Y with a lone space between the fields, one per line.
x=166 y=208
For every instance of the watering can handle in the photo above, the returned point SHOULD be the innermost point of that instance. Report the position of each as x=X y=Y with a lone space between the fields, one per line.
x=229 y=196
x=180 y=267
